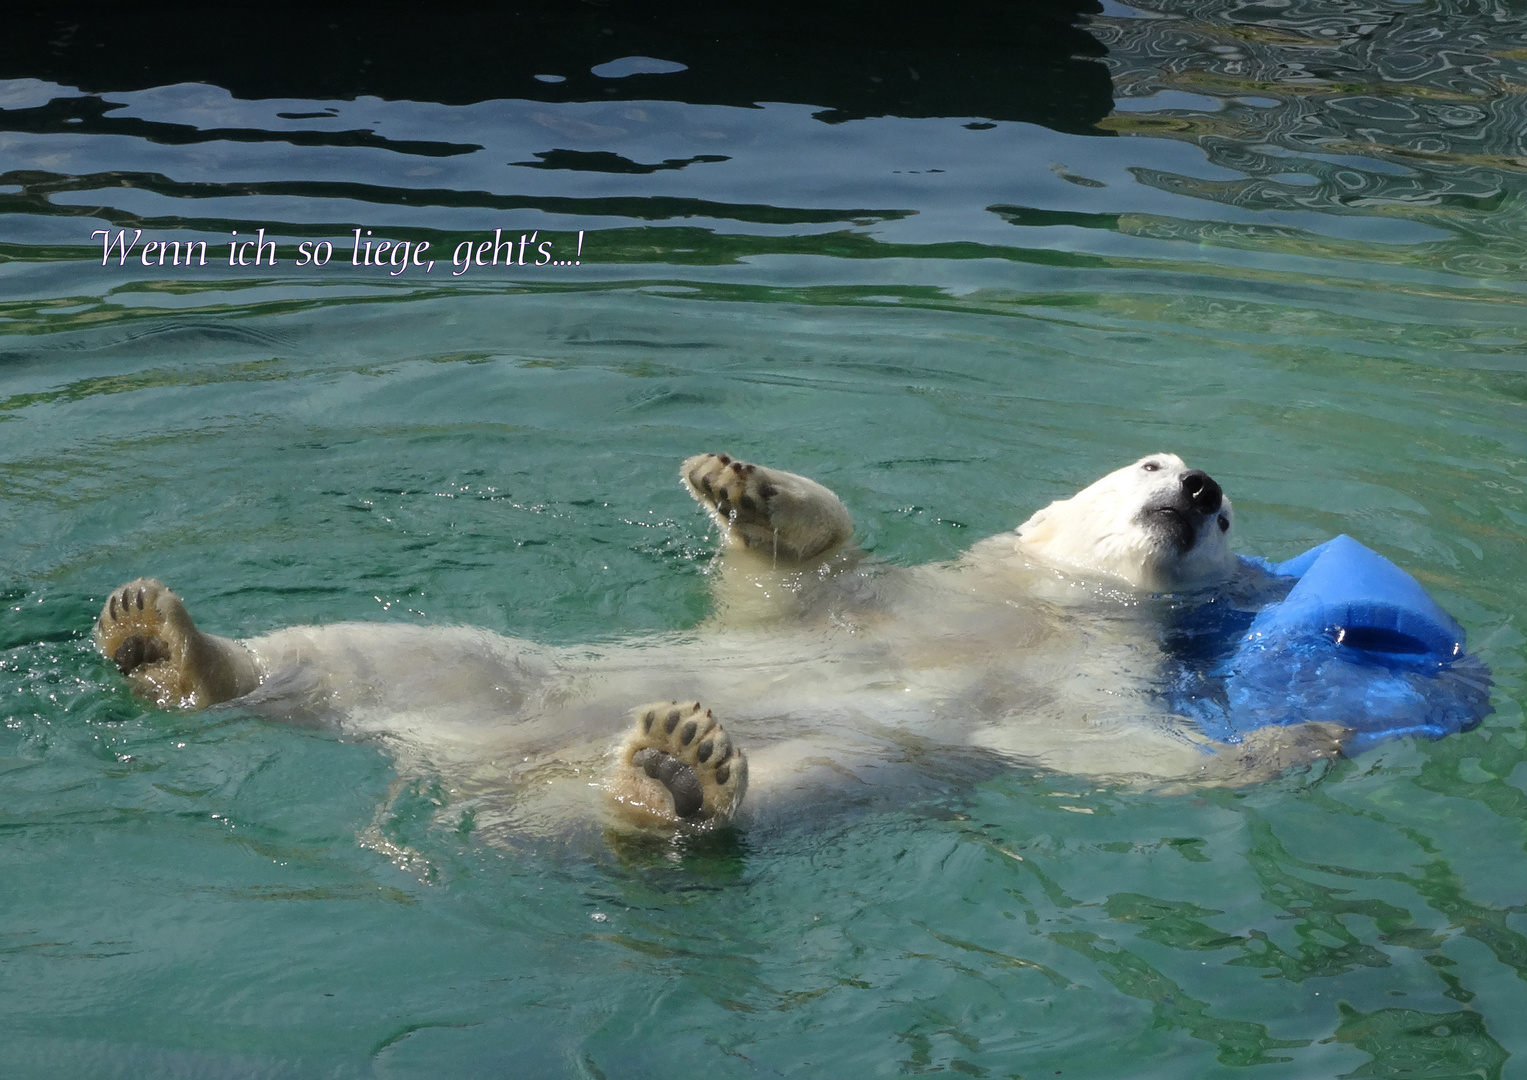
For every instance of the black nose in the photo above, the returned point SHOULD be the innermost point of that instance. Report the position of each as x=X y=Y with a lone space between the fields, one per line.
x=1202 y=492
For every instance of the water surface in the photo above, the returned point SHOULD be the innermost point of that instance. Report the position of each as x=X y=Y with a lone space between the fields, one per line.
x=1283 y=240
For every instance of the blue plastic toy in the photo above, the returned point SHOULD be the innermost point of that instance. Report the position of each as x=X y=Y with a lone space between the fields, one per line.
x=1356 y=641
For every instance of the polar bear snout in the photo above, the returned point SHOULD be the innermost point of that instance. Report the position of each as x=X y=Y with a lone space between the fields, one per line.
x=1203 y=494
x=1177 y=516
x=1171 y=524
x=1195 y=496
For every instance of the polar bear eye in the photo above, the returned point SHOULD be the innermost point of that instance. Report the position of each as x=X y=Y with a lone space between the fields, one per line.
x=1151 y=466
x=1224 y=523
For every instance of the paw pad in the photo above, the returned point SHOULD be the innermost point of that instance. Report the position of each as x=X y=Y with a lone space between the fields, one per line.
x=131 y=629
x=695 y=773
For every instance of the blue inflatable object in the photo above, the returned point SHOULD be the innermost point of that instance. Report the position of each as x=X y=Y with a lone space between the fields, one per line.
x=1356 y=641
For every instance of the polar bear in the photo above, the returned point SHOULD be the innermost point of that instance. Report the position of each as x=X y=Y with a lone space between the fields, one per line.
x=840 y=674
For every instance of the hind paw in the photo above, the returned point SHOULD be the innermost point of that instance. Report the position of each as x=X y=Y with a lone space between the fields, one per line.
x=678 y=765
x=141 y=630
x=146 y=631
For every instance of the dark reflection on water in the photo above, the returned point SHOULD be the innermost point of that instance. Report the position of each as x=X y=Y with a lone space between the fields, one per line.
x=600 y=161
x=1024 y=61
x=91 y=115
x=1382 y=135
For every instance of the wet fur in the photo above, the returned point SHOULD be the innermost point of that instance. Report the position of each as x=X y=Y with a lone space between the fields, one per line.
x=843 y=679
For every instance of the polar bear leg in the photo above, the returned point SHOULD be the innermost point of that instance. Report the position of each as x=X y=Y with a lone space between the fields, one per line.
x=1139 y=755
x=1260 y=757
x=146 y=631
x=677 y=766
x=784 y=518
x=1267 y=753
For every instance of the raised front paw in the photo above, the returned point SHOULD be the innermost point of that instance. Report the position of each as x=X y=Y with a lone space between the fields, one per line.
x=737 y=492
x=677 y=766
x=778 y=514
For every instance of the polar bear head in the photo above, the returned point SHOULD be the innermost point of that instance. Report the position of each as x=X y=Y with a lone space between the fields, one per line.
x=1157 y=524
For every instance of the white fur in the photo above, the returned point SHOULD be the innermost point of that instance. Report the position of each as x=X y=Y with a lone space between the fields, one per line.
x=1098 y=530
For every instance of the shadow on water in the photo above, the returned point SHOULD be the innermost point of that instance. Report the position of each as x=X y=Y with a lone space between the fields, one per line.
x=1406 y=1043
x=1403 y=1042
x=1239 y=1042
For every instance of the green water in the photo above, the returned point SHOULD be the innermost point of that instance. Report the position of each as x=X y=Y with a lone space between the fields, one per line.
x=1297 y=262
